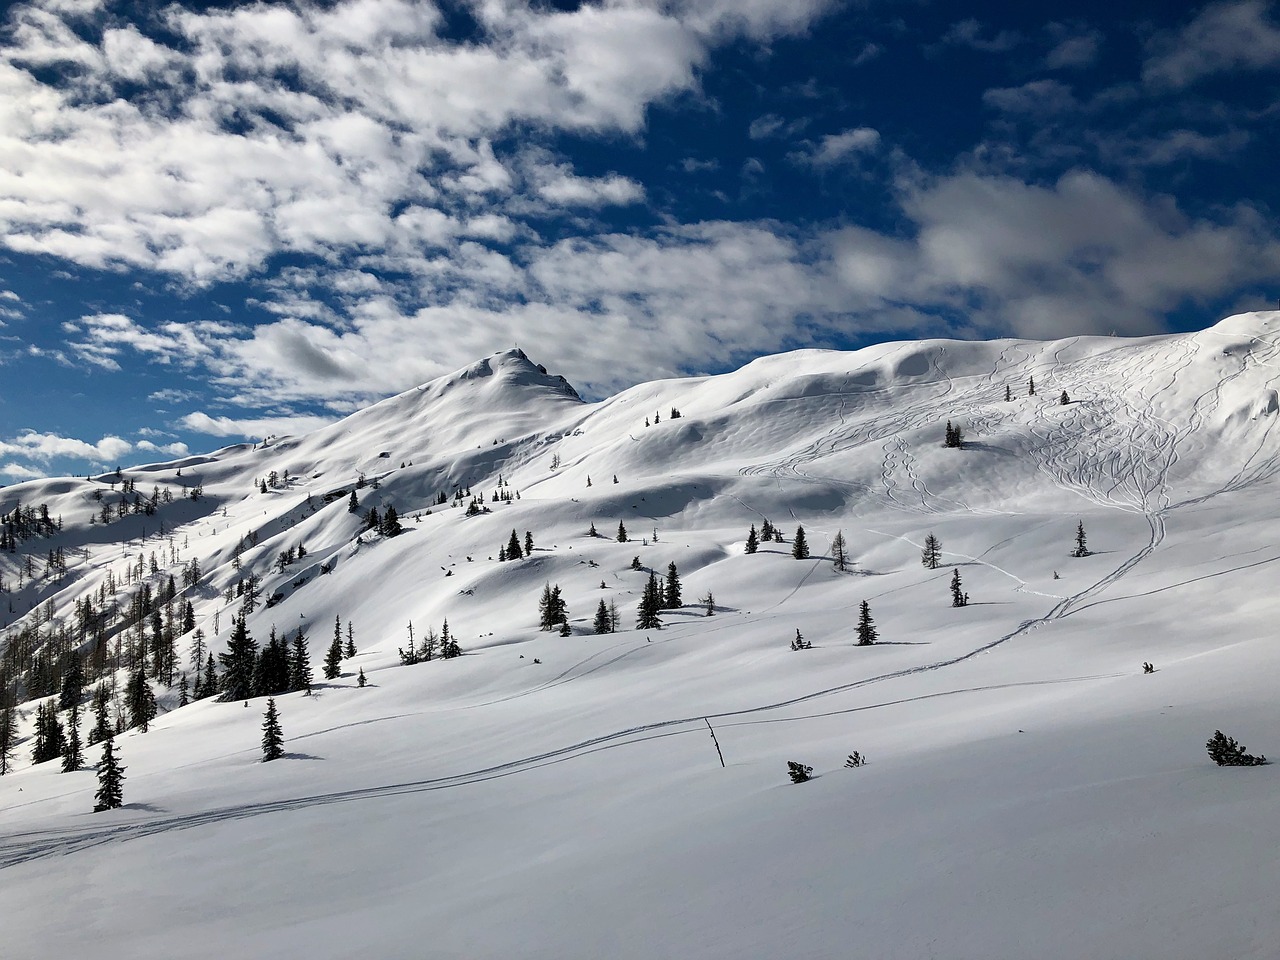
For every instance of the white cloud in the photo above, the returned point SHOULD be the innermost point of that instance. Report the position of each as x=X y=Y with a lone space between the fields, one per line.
x=968 y=33
x=1223 y=36
x=1075 y=47
x=1036 y=98
x=255 y=427
x=20 y=471
x=47 y=446
x=839 y=148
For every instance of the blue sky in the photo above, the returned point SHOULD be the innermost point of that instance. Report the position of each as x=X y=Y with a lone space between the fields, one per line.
x=221 y=221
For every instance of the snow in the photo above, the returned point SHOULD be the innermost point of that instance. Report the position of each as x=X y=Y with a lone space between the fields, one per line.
x=1028 y=791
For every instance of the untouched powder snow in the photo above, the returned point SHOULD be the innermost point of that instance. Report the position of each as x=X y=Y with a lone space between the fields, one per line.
x=1029 y=791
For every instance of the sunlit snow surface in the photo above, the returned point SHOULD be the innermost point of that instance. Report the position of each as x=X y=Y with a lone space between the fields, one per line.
x=1029 y=793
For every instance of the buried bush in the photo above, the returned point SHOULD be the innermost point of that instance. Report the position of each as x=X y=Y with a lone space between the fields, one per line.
x=1225 y=752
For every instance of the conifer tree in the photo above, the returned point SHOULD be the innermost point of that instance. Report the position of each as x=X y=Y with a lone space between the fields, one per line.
x=1064 y=399
x=867 y=634
x=932 y=552
x=565 y=629
x=333 y=660
x=839 y=552
x=8 y=732
x=449 y=647
x=140 y=699
x=650 y=605
x=110 y=794
x=1008 y=393
x=528 y=543
x=184 y=691
x=72 y=752
x=593 y=532
x=299 y=663
x=753 y=541
x=361 y=679
x=958 y=597
x=671 y=599
x=622 y=532
x=1226 y=752
x=800 y=546
x=766 y=530
x=1031 y=386
x=48 y=741
x=391 y=526
x=272 y=737
x=101 y=714
x=209 y=683
x=1081 y=550
x=552 y=610
x=353 y=503
x=513 y=546
x=72 y=682
x=602 y=623
x=238 y=663
x=349 y=649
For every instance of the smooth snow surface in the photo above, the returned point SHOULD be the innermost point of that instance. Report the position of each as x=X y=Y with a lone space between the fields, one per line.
x=1029 y=793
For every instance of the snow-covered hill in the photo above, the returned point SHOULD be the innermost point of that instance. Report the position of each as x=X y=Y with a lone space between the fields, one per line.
x=1029 y=791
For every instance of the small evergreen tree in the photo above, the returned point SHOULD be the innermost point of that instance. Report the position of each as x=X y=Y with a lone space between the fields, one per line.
x=101 y=714
x=839 y=552
x=110 y=794
x=602 y=623
x=1225 y=752
x=184 y=691
x=361 y=679
x=391 y=526
x=140 y=698
x=671 y=599
x=1064 y=399
x=1081 y=550
x=622 y=532
x=238 y=663
x=8 y=732
x=1008 y=393
x=954 y=436
x=353 y=503
x=299 y=663
x=800 y=546
x=272 y=737
x=513 y=546
x=552 y=610
x=867 y=634
x=1031 y=386
x=333 y=660
x=528 y=543
x=72 y=682
x=565 y=629
x=753 y=541
x=799 y=772
x=958 y=597
x=650 y=605
x=932 y=552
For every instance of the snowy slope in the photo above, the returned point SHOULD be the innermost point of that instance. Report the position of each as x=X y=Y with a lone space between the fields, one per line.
x=1029 y=791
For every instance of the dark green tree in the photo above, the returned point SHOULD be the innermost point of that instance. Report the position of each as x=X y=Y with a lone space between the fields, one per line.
x=8 y=732
x=391 y=526
x=866 y=626
x=622 y=532
x=184 y=690
x=72 y=682
x=1064 y=399
x=110 y=794
x=48 y=741
x=753 y=541
x=800 y=546
x=513 y=546
x=209 y=682
x=353 y=503
x=238 y=663
x=1081 y=550
x=602 y=622
x=552 y=610
x=799 y=772
x=528 y=543
x=671 y=599
x=349 y=648
x=272 y=737
x=140 y=699
x=72 y=751
x=958 y=597
x=650 y=605
x=299 y=663
x=333 y=660
x=101 y=714
x=361 y=679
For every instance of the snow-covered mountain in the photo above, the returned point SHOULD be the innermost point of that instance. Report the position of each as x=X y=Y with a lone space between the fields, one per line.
x=1029 y=791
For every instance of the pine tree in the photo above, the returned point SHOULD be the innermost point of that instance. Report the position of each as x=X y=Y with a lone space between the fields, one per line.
x=361 y=679
x=353 y=504
x=299 y=663
x=958 y=597
x=800 y=546
x=72 y=754
x=753 y=541
x=209 y=684
x=333 y=660
x=272 y=737
x=1008 y=393
x=565 y=629
x=622 y=532
x=766 y=530
x=528 y=543
x=238 y=663
x=932 y=552
x=650 y=605
x=140 y=699
x=1031 y=386
x=839 y=552
x=101 y=714
x=671 y=599
x=449 y=647
x=184 y=691
x=867 y=634
x=710 y=602
x=954 y=436
x=72 y=682
x=110 y=794
x=799 y=772
x=391 y=526
x=513 y=546
x=349 y=648
x=1081 y=549
x=593 y=532
x=1064 y=399
x=8 y=732
x=602 y=623
x=48 y=741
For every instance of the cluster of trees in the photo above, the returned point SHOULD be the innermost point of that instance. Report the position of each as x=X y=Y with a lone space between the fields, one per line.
x=386 y=524
x=23 y=523
x=954 y=436
x=513 y=550
x=443 y=645
x=279 y=667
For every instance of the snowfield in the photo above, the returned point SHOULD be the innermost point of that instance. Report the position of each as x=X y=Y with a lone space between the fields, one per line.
x=1028 y=792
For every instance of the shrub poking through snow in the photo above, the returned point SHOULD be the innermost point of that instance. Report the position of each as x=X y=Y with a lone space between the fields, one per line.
x=1225 y=752
x=798 y=772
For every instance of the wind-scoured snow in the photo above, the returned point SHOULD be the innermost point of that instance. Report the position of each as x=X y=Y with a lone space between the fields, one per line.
x=1029 y=792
